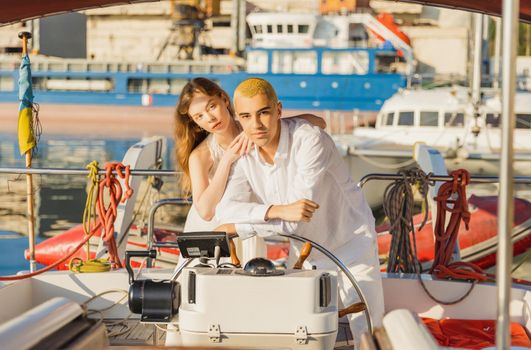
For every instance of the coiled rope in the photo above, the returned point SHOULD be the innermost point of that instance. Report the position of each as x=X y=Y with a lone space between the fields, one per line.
x=398 y=207
x=105 y=221
x=454 y=193
x=107 y=214
x=90 y=265
x=451 y=198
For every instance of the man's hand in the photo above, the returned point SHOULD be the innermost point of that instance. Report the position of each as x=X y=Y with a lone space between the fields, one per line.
x=301 y=210
x=228 y=228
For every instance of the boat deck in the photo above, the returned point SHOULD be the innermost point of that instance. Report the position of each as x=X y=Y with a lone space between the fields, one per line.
x=133 y=333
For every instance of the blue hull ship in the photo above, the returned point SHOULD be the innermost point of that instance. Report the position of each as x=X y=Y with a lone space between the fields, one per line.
x=314 y=87
x=314 y=62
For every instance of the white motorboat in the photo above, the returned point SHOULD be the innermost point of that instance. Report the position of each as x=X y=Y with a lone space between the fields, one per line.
x=442 y=118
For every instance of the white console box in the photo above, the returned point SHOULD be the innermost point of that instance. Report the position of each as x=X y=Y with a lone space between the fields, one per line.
x=297 y=310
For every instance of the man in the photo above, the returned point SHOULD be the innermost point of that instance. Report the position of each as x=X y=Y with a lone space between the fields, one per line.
x=300 y=185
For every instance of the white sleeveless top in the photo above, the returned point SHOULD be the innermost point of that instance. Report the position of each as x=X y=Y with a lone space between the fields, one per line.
x=246 y=249
x=194 y=222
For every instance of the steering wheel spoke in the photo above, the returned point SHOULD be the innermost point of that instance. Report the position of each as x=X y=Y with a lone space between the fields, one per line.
x=305 y=252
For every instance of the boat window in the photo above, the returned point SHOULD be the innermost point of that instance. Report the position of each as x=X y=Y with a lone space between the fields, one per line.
x=405 y=118
x=137 y=85
x=304 y=28
x=290 y=28
x=68 y=84
x=454 y=119
x=325 y=30
x=257 y=61
x=523 y=121
x=429 y=118
x=279 y=28
x=357 y=35
x=296 y=62
x=158 y=86
x=389 y=118
x=270 y=28
x=493 y=120
x=340 y=62
x=258 y=29
x=388 y=62
x=38 y=83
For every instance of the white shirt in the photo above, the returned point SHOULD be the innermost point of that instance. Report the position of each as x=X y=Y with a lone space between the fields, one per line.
x=306 y=165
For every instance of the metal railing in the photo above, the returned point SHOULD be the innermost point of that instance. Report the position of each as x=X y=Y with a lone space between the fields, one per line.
x=151 y=222
x=473 y=179
x=81 y=171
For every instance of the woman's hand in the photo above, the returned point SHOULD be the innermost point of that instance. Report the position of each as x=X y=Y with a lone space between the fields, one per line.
x=247 y=145
x=238 y=147
x=235 y=150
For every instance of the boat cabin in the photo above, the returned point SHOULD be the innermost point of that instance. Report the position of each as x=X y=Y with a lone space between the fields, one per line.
x=304 y=31
x=446 y=108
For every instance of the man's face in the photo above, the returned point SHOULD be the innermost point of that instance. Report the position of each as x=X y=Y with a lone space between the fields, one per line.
x=259 y=118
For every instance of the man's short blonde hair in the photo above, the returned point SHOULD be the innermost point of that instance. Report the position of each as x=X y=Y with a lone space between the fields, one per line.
x=253 y=86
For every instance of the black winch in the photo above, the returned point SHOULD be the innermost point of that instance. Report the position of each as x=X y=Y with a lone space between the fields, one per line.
x=260 y=267
x=156 y=301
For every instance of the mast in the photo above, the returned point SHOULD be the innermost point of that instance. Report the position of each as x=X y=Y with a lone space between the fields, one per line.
x=476 y=70
x=505 y=198
x=497 y=50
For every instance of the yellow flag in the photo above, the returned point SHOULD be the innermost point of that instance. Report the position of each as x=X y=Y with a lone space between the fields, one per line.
x=26 y=138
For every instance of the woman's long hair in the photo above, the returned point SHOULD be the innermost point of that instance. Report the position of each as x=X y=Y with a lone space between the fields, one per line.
x=187 y=133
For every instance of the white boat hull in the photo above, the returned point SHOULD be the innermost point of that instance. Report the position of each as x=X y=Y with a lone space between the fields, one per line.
x=400 y=292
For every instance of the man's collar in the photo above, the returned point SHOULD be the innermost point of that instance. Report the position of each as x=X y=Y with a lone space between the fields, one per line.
x=283 y=142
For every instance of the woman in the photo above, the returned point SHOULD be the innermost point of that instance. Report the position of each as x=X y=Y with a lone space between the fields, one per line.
x=207 y=141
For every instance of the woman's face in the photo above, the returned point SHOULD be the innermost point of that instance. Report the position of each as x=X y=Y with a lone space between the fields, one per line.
x=210 y=113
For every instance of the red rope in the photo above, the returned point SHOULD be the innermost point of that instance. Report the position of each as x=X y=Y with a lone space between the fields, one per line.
x=453 y=193
x=446 y=237
x=106 y=218
x=107 y=215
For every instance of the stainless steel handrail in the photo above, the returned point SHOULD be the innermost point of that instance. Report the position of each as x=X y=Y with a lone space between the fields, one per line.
x=473 y=179
x=342 y=267
x=504 y=258
x=81 y=171
x=151 y=219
